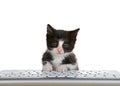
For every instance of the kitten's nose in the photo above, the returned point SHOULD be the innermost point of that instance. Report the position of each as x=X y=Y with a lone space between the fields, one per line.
x=59 y=50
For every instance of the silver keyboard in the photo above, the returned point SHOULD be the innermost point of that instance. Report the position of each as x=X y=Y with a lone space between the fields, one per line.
x=38 y=75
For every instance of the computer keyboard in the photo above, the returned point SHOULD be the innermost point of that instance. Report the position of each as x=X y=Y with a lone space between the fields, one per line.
x=80 y=75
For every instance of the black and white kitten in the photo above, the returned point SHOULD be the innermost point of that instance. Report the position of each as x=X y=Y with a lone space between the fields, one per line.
x=59 y=56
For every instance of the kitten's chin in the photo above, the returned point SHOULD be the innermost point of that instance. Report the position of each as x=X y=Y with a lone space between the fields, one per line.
x=59 y=53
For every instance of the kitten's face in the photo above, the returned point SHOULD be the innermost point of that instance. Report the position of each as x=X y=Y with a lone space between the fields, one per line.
x=60 y=41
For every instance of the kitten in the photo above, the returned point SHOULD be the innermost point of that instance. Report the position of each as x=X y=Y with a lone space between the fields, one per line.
x=59 y=56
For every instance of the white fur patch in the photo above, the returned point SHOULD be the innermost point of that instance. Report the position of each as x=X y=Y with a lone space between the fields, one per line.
x=59 y=49
x=62 y=68
x=58 y=58
x=60 y=43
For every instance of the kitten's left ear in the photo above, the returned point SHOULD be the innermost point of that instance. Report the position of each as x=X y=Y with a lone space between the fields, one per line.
x=74 y=32
x=50 y=29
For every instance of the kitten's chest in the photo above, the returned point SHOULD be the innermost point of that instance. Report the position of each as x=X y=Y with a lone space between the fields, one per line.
x=57 y=60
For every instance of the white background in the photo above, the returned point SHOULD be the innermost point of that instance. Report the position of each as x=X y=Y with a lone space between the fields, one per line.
x=23 y=31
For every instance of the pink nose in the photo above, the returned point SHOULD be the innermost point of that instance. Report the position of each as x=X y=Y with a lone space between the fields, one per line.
x=59 y=50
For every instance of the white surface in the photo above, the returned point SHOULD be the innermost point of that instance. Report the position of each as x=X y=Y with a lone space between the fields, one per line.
x=23 y=29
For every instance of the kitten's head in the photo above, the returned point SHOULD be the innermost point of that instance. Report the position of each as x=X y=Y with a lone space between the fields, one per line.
x=60 y=41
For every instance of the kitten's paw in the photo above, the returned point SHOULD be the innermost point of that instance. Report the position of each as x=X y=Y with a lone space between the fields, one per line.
x=47 y=68
x=62 y=68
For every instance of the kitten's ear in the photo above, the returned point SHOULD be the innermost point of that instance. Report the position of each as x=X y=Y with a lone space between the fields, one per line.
x=50 y=29
x=74 y=32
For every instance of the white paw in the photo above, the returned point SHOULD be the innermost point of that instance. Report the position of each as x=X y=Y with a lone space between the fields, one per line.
x=47 y=68
x=62 y=68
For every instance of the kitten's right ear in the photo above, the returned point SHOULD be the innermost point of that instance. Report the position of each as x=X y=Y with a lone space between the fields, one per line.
x=50 y=29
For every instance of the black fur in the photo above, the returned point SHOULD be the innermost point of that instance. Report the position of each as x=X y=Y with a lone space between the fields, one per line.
x=70 y=59
x=46 y=57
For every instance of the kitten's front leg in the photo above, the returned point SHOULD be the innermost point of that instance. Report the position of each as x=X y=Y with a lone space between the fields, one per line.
x=69 y=63
x=62 y=68
x=47 y=67
x=46 y=61
x=66 y=67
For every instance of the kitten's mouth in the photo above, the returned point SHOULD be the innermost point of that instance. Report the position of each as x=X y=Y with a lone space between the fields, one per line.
x=59 y=53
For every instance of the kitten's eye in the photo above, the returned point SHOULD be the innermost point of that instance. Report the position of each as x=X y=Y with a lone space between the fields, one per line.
x=66 y=45
x=54 y=44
